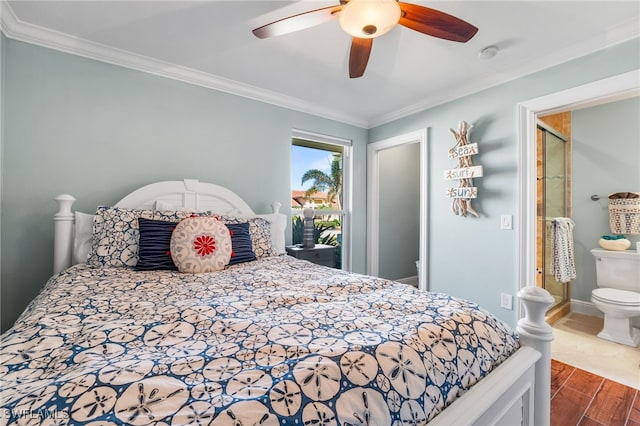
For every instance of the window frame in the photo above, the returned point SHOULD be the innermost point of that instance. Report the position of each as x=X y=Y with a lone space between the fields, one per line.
x=317 y=140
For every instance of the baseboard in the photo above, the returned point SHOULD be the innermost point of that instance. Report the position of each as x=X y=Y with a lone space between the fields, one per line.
x=409 y=280
x=585 y=308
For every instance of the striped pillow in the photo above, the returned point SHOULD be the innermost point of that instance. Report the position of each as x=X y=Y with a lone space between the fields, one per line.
x=155 y=241
x=242 y=249
x=153 y=246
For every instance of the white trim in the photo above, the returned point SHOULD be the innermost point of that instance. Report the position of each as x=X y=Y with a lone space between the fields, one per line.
x=412 y=281
x=619 y=34
x=320 y=137
x=603 y=90
x=585 y=308
x=373 y=185
x=16 y=29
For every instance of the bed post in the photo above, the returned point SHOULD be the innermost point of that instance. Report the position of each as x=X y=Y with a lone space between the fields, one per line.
x=536 y=333
x=63 y=233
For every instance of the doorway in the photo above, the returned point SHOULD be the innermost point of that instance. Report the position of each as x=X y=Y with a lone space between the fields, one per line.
x=554 y=200
x=375 y=152
x=604 y=91
x=613 y=88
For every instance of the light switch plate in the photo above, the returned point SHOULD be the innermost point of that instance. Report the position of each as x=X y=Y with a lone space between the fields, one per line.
x=506 y=221
x=506 y=301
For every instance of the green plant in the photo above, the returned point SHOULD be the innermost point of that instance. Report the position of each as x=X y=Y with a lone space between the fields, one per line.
x=319 y=229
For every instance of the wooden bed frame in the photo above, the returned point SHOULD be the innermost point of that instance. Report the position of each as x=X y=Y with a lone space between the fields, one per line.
x=516 y=392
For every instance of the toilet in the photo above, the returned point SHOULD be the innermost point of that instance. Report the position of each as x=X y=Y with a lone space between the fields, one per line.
x=618 y=294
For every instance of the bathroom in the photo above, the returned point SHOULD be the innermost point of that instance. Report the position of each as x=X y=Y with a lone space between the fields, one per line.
x=588 y=153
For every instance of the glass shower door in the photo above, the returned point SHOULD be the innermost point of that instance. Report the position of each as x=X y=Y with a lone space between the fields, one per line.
x=554 y=205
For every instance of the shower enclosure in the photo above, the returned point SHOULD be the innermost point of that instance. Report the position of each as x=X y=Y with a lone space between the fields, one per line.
x=553 y=201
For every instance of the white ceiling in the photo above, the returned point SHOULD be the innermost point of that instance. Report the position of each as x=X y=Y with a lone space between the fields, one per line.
x=210 y=43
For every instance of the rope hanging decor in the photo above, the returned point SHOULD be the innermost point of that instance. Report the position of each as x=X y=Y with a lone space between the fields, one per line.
x=466 y=171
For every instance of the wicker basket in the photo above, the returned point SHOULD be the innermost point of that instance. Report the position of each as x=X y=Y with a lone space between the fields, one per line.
x=624 y=215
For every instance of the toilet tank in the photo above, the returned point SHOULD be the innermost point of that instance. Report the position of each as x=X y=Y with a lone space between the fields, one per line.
x=618 y=269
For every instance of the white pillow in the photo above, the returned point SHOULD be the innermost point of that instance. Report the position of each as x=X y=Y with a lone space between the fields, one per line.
x=83 y=237
x=278 y=225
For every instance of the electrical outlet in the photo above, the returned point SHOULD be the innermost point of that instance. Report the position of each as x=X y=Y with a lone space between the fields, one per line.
x=506 y=221
x=506 y=301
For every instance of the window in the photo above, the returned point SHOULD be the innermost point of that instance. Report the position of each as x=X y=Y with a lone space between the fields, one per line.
x=320 y=179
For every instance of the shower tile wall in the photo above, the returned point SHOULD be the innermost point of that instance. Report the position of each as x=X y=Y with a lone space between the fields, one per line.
x=562 y=123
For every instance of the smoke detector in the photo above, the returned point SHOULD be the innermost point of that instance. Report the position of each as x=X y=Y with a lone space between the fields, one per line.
x=488 y=52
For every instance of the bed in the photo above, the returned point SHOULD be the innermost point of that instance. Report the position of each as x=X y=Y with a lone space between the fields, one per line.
x=271 y=340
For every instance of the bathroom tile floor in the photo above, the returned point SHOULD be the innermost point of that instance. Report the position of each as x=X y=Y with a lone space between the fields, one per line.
x=576 y=344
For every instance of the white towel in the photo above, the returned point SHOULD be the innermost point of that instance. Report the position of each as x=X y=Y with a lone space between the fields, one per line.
x=563 y=264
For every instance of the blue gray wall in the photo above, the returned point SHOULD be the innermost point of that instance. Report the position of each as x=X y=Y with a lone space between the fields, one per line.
x=98 y=131
x=399 y=211
x=605 y=159
x=472 y=257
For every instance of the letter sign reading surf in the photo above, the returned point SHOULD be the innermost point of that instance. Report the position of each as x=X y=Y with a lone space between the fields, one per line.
x=463 y=173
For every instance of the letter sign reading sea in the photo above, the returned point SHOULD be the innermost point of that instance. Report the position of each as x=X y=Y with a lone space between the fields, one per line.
x=463 y=151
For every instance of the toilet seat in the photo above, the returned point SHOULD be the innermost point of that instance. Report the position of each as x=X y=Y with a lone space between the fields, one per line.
x=616 y=296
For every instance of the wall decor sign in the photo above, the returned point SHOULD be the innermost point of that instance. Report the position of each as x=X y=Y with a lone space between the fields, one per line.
x=463 y=151
x=464 y=173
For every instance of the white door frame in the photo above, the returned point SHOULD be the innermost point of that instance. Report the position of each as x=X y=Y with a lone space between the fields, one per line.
x=373 y=199
x=606 y=90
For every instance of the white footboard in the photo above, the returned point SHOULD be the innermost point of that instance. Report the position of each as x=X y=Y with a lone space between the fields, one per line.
x=505 y=397
x=518 y=391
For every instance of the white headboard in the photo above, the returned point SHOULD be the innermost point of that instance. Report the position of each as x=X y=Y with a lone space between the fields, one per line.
x=189 y=194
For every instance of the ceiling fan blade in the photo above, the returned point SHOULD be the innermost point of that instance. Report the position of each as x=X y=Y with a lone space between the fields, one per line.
x=298 y=22
x=359 y=56
x=435 y=23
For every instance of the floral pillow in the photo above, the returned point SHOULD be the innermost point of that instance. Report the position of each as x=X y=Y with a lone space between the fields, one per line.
x=200 y=244
x=260 y=232
x=116 y=234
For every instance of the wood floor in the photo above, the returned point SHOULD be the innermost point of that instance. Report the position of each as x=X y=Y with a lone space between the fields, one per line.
x=581 y=398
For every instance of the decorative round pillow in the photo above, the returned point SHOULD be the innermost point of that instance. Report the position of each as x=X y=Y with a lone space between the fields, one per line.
x=200 y=244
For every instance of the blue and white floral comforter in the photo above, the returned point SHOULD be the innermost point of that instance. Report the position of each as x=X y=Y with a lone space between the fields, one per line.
x=277 y=341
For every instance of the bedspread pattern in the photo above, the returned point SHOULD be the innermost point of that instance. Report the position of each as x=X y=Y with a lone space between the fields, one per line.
x=272 y=342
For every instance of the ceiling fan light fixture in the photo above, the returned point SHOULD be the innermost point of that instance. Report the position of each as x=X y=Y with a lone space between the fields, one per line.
x=369 y=18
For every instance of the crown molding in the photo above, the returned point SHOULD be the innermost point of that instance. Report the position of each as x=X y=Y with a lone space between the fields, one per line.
x=14 y=28
x=616 y=35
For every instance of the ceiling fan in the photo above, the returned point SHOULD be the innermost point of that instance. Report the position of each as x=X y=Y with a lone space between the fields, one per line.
x=365 y=20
